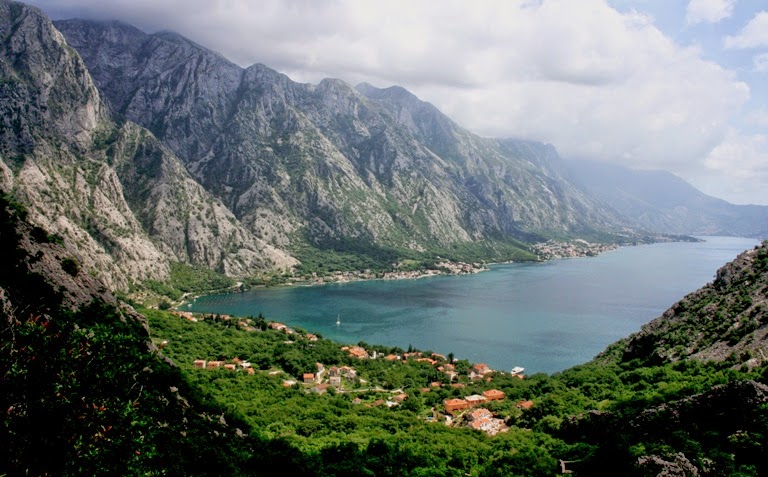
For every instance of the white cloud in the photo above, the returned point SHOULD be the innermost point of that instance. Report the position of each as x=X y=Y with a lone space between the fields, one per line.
x=754 y=34
x=737 y=169
x=758 y=118
x=592 y=81
x=760 y=63
x=709 y=11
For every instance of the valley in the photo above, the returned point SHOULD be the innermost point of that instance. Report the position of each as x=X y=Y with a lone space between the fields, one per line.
x=138 y=170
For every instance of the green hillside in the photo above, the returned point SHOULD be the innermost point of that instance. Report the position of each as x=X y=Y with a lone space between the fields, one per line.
x=82 y=376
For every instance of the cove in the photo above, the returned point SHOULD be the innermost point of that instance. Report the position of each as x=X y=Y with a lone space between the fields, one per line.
x=545 y=317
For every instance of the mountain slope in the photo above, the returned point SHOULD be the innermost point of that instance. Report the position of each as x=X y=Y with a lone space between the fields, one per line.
x=663 y=202
x=724 y=321
x=328 y=164
x=82 y=382
x=64 y=156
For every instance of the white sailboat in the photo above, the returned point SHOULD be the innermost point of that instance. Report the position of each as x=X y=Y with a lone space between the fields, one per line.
x=338 y=320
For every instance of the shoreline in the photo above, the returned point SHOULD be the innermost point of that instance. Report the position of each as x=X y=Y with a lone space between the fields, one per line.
x=356 y=276
x=545 y=251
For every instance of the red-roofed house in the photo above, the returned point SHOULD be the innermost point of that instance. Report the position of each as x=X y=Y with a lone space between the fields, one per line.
x=475 y=399
x=358 y=352
x=525 y=404
x=308 y=377
x=481 y=369
x=348 y=372
x=455 y=404
x=493 y=395
x=199 y=363
x=481 y=413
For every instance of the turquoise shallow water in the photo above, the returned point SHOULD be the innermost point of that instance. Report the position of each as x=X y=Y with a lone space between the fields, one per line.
x=545 y=317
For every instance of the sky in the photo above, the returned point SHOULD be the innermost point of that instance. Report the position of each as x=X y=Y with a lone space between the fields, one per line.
x=677 y=85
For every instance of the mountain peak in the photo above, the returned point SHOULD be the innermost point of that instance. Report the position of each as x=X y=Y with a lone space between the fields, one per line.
x=392 y=93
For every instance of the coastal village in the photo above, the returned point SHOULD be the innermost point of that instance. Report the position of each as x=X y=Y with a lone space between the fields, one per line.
x=399 y=272
x=578 y=248
x=466 y=410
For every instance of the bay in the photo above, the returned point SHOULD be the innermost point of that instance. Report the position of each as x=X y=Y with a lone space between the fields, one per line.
x=545 y=317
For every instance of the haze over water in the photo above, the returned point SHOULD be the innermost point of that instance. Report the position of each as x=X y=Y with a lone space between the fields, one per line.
x=545 y=317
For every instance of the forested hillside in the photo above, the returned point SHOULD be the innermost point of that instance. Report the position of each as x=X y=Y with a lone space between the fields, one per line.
x=105 y=400
x=175 y=170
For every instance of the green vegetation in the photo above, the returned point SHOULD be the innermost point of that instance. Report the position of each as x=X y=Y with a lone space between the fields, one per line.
x=620 y=391
x=187 y=278
x=727 y=310
x=80 y=392
x=84 y=386
x=356 y=255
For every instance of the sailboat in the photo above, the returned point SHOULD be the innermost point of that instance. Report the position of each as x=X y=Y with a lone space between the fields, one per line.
x=338 y=320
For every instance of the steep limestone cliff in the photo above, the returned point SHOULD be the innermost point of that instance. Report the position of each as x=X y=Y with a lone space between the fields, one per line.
x=110 y=189
x=330 y=163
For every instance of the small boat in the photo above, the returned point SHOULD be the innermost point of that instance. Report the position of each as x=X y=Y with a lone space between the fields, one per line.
x=517 y=370
x=338 y=320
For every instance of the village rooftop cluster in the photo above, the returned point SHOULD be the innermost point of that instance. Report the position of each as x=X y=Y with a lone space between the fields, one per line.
x=441 y=268
x=578 y=248
x=467 y=411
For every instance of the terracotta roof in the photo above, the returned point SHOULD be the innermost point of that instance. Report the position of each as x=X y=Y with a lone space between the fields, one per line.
x=525 y=404
x=493 y=394
x=479 y=413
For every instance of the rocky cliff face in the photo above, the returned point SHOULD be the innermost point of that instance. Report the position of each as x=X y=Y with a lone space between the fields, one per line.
x=82 y=379
x=328 y=162
x=112 y=191
x=726 y=320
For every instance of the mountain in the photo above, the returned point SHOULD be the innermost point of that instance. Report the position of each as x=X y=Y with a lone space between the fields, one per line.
x=104 y=400
x=109 y=188
x=663 y=202
x=93 y=200
x=82 y=379
x=329 y=165
x=724 y=321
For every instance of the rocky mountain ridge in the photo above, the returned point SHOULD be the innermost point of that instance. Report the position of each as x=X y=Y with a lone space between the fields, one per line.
x=329 y=163
x=109 y=188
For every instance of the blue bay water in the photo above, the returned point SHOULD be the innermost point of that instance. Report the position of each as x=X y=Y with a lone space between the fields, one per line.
x=545 y=317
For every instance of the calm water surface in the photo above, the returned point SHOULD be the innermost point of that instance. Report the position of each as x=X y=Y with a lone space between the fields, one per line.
x=542 y=316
